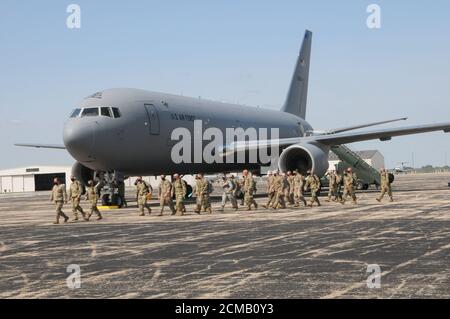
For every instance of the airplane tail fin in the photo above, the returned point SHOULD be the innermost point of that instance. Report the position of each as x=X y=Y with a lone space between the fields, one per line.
x=298 y=91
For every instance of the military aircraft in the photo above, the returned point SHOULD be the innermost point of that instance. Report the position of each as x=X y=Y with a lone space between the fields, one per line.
x=118 y=133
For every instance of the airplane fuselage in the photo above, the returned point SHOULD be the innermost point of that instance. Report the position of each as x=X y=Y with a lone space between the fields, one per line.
x=139 y=142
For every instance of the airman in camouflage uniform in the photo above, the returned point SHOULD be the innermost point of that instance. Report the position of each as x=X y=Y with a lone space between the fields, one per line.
x=165 y=195
x=385 y=186
x=290 y=194
x=92 y=197
x=339 y=184
x=332 y=186
x=299 y=184
x=270 y=190
x=179 y=190
x=202 y=193
x=313 y=183
x=249 y=190
x=142 y=191
x=59 y=197
x=75 y=192
x=279 y=192
x=228 y=187
x=350 y=180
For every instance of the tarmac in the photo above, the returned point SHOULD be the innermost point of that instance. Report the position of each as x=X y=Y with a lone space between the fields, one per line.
x=293 y=253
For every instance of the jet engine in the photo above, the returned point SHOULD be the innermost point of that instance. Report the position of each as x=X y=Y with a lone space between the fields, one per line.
x=304 y=157
x=82 y=173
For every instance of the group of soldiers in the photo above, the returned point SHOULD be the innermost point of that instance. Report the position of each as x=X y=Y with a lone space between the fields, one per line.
x=283 y=189
x=60 y=197
x=203 y=188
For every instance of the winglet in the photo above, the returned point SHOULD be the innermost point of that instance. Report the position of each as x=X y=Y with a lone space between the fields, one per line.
x=298 y=90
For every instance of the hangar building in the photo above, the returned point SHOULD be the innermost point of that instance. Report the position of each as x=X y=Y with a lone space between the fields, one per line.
x=33 y=178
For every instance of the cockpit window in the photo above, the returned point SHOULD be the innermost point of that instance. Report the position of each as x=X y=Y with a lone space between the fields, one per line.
x=92 y=111
x=104 y=111
x=116 y=112
x=75 y=113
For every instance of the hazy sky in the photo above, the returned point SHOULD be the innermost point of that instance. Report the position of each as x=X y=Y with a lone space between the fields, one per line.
x=235 y=51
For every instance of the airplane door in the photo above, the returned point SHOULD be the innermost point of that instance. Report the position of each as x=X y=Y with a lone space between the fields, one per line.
x=153 y=119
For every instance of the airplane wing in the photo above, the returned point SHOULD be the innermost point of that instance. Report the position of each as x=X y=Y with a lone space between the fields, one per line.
x=383 y=134
x=334 y=139
x=51 y=146
x=351 y=128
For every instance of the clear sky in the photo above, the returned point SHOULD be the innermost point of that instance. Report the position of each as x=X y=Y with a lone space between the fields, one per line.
x=235 y=51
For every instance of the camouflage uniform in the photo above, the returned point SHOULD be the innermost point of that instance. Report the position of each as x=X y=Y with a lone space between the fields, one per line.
x=75 y=192
x=350 y=181
x=270 y=191
x=339 y=183
x=179 y=190
x=229 y=187
x=332 y=186
x=59 y=197
x=142 y=190
x=92 y=197
x=313 y=183
x=165 y=196
x=385 y=187
x=279 y=192
x=249 y=190
x=202 y=192
x=286 y=189
x=290 y=180
x=299 y=184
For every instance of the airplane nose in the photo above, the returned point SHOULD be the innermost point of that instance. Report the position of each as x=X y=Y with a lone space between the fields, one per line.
x=79 y=140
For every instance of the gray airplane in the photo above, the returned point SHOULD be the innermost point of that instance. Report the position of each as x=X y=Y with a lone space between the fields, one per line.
x=118 y=133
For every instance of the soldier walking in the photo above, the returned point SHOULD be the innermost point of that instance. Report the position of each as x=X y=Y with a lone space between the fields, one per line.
x=179 y=190
x=290 y=195
x=143 y=189
x=270 y=190
x=313 y=183
x=165 y=195
x=385 y=186
x=202 y=193
x=299 y=184
x=59 y=197
x=332 y=186
x=279 y=191
x=350 y=181
x=75 y=192
x=229 y=187
x=249 y=190
x=92 y=197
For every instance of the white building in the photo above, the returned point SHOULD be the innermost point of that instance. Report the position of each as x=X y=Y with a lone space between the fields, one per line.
x=33 y=178
x=373 y=157
x=40 y=178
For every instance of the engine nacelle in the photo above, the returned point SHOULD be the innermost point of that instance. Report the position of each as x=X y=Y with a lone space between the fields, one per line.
x=82 y=173
x=304 y=157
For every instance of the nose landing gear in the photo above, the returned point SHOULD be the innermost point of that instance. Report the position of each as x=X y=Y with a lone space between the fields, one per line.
x=111 y=188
